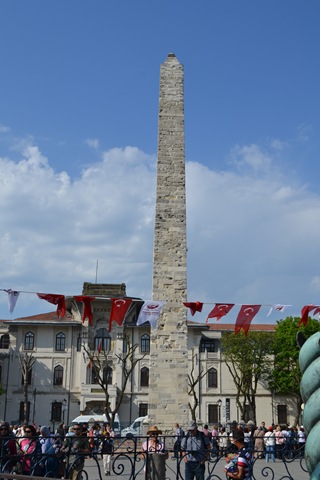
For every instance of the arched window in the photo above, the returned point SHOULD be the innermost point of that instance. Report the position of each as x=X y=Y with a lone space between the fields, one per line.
x=144 y=377
x=212 y=378
x=60 y=342
x=29 y=341
x=58 y=375
x=145 y=343
x=102 y=340
x=5 y=341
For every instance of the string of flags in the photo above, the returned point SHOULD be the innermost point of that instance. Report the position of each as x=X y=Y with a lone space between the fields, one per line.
x=150 y=310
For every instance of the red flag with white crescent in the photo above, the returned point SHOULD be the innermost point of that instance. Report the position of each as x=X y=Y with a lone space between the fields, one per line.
x=56 y=299
x=245 y=317
x=305 y=313
x=87 y=312
x=220 y=310
x=194 y=307
x=118 y=310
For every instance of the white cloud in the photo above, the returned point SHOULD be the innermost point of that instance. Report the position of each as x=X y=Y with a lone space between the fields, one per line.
x=251 y=238
x=93 y=143
x=4 y=129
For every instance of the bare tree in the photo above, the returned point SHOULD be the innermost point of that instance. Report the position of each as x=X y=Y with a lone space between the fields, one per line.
x=26 y=363
x=100 y=362
x=193 y=380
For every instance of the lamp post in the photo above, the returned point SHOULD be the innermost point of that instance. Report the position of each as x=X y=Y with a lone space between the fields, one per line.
x=219 y=402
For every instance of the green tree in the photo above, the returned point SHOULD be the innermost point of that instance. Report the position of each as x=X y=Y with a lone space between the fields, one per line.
x=286 y=376
x=248 y=359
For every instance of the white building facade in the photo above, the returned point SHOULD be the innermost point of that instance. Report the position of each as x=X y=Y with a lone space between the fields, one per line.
x=61 y=383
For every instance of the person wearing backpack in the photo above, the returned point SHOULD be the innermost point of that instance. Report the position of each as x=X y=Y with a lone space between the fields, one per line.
x=196 y=450
x=179 y=434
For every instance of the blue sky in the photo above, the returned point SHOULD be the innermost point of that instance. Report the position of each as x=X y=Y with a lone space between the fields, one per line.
x=78 y=142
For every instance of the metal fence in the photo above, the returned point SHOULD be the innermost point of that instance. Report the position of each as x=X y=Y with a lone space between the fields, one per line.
x=127 y=460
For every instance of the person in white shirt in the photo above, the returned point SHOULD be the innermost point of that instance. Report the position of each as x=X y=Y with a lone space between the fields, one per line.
x=270 y=442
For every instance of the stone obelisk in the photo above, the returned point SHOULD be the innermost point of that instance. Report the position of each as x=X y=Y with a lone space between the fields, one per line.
x=168 y=397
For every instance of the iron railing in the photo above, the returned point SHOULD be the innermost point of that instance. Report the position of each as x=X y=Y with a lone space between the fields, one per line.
x=127 y=460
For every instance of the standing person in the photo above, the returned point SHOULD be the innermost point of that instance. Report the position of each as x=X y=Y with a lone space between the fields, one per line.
x=244 y=458
x=29 y=447
x=215 y=439
x=223 y=441
x=76 y=446
x=263 y=427
x=154 y=446
x=258 y=443
x=106 y=451
x=8 y=449
x=270 y=443
x=196 y=449
x=179 y=433
x=301 y=440
x=279 y=441
x=48 y=449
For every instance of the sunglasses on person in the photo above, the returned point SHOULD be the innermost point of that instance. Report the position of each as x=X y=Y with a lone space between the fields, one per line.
x=77 y=428
x=27 y=431
x=3 y=428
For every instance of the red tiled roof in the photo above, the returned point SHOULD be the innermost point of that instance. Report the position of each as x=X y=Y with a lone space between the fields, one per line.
x=48 y=317
x=262 y=327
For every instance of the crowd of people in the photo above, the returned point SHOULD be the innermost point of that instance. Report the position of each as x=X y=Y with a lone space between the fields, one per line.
x=37 y=451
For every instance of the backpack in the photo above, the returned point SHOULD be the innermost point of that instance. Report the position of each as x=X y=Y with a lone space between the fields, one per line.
x=107 y=446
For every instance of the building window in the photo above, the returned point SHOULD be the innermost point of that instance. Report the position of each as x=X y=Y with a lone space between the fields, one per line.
x=213 y=414
x=60 y=342
x=79 y=339
x=282 y=414
x=56 y=411
x=212 y=378
x=29 y=341
x=145 y=343
x=143 y=409
x=5 y=341
x=58 y=375
x=124 y=345
x=21 y=412
x=144 y=377
x=29 y=377
x=102 y=341
x=209 y=344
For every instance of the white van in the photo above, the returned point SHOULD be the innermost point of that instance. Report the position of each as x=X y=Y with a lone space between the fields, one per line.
x=91 y=419
x=135 y=428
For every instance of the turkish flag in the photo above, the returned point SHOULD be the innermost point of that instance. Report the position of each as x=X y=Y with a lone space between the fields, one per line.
x=194 y=307
x=118 y=310
x=87 y=312
x=245 y=317
x=305 y=313
x=219 y=310
x=56 y=300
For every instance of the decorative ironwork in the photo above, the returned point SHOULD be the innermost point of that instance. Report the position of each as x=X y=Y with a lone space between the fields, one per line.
x=127 y=459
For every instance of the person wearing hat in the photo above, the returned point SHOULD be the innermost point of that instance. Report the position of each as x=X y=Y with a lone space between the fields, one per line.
x=154 y=467
x=196 y=448
x=153 y=444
